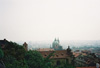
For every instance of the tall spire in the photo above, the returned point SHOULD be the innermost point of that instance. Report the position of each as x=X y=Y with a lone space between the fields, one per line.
x=58 y=40
x=55 y=39
x=25 y=45
x=50 y=46
x=69 y=51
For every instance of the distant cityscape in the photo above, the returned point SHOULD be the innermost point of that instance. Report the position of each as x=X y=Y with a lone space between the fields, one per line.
x=72 y=43
x=84 y=55
x=90 y=46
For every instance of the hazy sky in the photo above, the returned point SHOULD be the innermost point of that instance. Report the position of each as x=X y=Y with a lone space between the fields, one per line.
x=36 y=20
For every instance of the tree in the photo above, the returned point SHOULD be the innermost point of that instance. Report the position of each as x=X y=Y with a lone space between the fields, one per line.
x=1 y=53
x=11 y=62
x=34 y=59
x=14 y=55
x=15 y=50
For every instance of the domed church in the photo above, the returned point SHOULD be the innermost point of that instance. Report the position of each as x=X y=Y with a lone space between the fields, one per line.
x=56 y=45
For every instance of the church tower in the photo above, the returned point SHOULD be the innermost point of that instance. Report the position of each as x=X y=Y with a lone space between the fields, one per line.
x=56 y=45
x=25 y=45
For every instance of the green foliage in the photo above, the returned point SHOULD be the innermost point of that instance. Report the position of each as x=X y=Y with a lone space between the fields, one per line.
x=11 y=62
x=14 y=56
x=1 y=53
x=17 y=57
x=14 y=50
x=34 y=59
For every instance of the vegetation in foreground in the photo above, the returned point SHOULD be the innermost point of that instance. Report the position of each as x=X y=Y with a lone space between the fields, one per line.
x=15 y=56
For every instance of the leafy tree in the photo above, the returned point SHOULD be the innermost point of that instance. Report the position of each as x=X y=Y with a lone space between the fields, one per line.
x=15 y=50
x=14 y=55
x=1 y=54
x=34 y=59
x=11 y=62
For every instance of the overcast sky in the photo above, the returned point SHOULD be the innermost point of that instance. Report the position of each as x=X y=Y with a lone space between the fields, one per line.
x=37 y=20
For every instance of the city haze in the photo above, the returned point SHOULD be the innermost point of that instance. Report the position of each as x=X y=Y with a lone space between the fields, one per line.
x=41 y=20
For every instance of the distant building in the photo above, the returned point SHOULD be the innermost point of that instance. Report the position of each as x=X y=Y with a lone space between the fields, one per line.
x=45 y=49
x=56 y=45
x=77 y=51
x=85 y=59
x=60 y=56
x=25 y=45
x=98 y=55
x=86 y=51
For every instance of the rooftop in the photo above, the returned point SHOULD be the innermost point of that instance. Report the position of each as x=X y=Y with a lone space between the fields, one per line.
x=62 y=54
